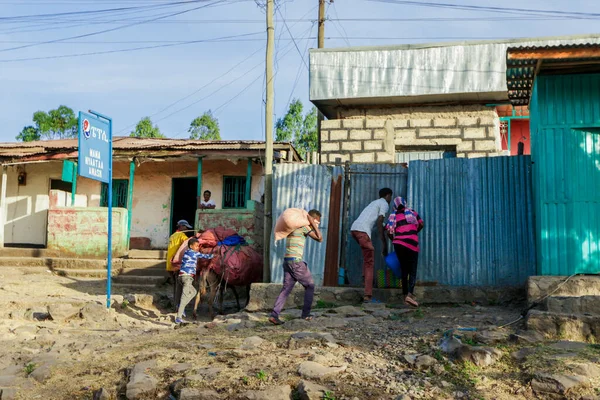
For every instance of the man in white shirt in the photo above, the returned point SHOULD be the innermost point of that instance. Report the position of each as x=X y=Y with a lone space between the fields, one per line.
x=207 y=203
x=373 y=214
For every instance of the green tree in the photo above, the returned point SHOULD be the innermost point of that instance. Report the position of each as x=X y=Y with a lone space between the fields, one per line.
x=205 y=127
x=60 y=123
x=298 y=128
x=145 y=129
x=29 y=134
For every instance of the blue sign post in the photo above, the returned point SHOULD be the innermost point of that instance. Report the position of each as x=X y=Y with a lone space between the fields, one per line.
x=95 y=162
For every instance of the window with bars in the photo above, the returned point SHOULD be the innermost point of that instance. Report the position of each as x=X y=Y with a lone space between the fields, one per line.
x=234 y=192
x=119 y=194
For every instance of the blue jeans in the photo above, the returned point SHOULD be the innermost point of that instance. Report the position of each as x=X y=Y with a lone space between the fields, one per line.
x=295 y=271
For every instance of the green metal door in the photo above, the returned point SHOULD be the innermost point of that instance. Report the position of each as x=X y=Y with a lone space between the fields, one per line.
x=119 y=194
x=566 y=170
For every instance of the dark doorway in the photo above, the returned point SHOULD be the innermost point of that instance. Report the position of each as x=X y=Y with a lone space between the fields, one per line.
x=183 y=201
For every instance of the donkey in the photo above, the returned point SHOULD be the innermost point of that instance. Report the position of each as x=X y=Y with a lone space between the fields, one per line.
x=209 y=278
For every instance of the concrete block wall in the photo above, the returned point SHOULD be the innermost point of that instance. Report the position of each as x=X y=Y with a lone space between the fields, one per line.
x=375 y=135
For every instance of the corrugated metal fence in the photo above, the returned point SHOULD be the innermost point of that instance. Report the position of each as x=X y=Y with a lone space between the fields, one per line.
x=365 y=182
x=307 y=187
x=479 y=225
x=478 y=213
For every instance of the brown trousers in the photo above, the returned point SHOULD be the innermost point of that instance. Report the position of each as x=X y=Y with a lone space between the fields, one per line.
x=364 y=241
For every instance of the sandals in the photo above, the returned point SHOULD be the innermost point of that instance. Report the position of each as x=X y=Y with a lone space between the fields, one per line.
x=309 y=318
x=410 y=301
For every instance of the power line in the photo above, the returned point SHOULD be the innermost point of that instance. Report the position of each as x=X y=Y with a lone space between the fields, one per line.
x=294 y=41
x=199 y=89
x=341 y=26
x=505 y=10
x=114 y=29
x=221 y=39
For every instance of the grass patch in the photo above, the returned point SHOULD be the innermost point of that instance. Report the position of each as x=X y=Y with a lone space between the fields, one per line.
x=325 y=304
x=262 y=376
x=328 y=395
x=419 y=313
x=29 y=368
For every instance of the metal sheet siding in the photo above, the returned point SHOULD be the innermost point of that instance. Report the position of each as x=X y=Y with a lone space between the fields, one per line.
x=365 y=182
x=418 y=70
x=307 y=187
x=478 y=216
x=566 y=151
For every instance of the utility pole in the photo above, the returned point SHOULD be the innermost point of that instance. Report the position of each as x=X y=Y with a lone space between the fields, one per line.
x=269 y=145
x=320 y=45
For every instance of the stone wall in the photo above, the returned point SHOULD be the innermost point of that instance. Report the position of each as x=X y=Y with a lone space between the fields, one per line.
x=375 y=135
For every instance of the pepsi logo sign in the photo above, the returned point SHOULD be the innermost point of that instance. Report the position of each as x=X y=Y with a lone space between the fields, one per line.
x=86 y=128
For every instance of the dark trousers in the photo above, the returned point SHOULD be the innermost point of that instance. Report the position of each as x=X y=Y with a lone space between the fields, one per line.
x=408 y=263
x=295 y=271
x=174 y=276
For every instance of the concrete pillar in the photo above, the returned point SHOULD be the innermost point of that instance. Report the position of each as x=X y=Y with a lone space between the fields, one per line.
x=3 y=205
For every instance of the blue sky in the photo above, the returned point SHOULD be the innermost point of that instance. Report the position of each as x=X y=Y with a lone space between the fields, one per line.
x=225 y=76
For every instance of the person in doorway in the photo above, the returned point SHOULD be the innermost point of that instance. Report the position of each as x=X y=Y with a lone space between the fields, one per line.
x=361 y=229
x=296 y=270
x=175 y=241
x=186 y=276
x=403 y=226
x=207 y=203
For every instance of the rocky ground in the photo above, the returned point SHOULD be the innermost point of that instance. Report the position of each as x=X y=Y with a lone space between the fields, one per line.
x=58 y=342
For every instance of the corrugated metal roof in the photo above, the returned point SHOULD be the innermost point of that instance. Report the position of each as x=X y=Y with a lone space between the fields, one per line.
x=464 y=71
x=128 y=144
x=365 y=182
x=479 y=220
x=520 y=72
x=306 y=187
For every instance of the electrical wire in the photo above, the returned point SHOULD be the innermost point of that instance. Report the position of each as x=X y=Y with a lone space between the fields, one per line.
x=221 y=39
x=343 y=31
x=293 y=40
x=116 y=28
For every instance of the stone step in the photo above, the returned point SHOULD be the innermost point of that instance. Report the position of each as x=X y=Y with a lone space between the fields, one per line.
x=147 y=254
x=80 y=273
x=28 y=252
x=576 y=327
x=587 y=305
x=126 y=287
x=137 y=279
x=580 y=285
x=78 y=263
x=152 y=271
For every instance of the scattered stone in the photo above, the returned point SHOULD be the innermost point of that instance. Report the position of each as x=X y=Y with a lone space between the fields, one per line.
x=331 y=322
x=25 y=332
x=527 y=337
x=41 y=373
x=371 y=307
x=140 y=382
x=491 y=337
x=274 y=393
x=544 y=383
x=205 y=373
x=480 y=356
x=349 y=311
x=198 y=394
x=425 y=361
x=313 y=370
x=311 y=391
x=383 y=314
x=8 y=393
x=253 y=343
x=181 y=367
x=100 y=394
x=36 y=315
x=522 y=354
x=403 y=397
x=587 y=370
x=411 y=359
x=94 y=312
x=140 y=300
x=241 y=325
x=569 y=346
x=292 y=313
x=328 y=337
x=62 y=312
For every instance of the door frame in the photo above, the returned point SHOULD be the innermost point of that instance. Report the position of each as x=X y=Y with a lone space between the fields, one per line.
x=171 y=222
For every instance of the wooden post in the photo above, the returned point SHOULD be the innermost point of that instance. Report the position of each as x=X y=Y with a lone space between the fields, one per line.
x=199 y=190
x=248 y=181
x=130 y=199
x=3 y=206
x=268 y=144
